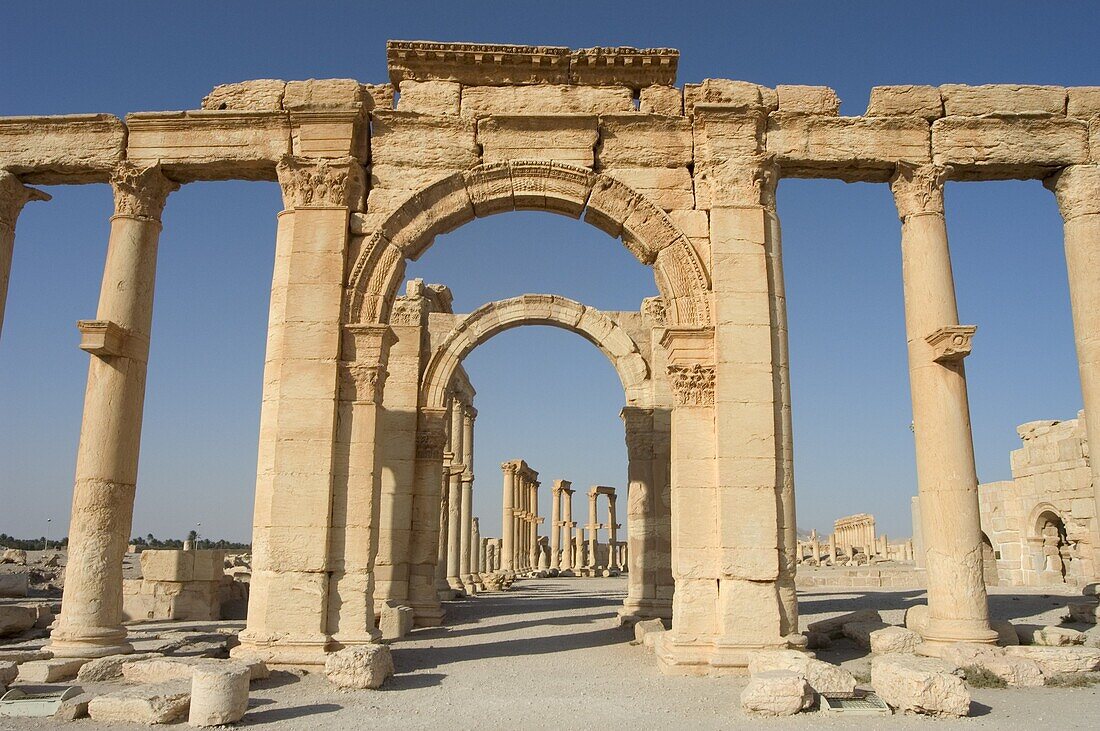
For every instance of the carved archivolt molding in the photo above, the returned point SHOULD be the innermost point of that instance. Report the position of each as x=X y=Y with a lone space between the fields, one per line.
x=919 y=188
x=309 y=182
x=14 y=195
x=140 y=192
x=692 y=385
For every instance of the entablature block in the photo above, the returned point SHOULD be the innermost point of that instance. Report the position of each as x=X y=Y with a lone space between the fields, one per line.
x=52 y=150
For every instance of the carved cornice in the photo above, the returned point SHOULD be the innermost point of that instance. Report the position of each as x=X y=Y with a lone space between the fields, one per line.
x=951 y=344
x=1077 y=189
x=140 y=192
x=362 y=383
x=692 y=385
x=918 y=188
x=320 y=183
x=14 y=195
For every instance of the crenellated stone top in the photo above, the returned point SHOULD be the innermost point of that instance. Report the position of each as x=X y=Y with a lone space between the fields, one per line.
x=489 y=64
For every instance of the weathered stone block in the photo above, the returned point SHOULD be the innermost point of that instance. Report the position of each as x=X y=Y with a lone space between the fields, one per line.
x=569 y=139
x=1084 y=102
x=735 y=95
x=666 y=188
x=974 y=101
x=257 y=95
x=396 y=620
x=905 y=101
x=79 y=148
x=149 y=705
x=9 y=671
x=545 y=99
x=644 y=140
x=823 y=677
x=430 y=97
x=850 y=148
x=776 y=693
x=796 y=99
x=108 y=668
x=1074 y=659
x=219 y=695
x=1009 y=147
x=323 y=94
x=50 y=671
x=365 y=666
x=919 y=684
x=407 y=140
x=13 y=585
x=661 y=100
x=646 y=627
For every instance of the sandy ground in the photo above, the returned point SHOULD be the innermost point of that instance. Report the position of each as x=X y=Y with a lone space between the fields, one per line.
x=548 y=656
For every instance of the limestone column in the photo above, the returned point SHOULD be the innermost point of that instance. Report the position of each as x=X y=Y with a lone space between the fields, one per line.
x=466 y=558
x=475 y=550
x=612 y=535
x=555 y=523
x=444 y=525
x=534 y=527
x=13 y=196
x=356 y=493
x=508 y=518
x=567 y=562
x=431 y=439
x=593 y=528
x=298 y=471
x=466 y=528
x=1077 y=189
x=110 y=432
x=454 y=499
x=579 y=561
x=946 y=478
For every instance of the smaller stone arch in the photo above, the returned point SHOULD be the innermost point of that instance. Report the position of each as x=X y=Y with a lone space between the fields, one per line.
x=535 y=309
x=1040 y=514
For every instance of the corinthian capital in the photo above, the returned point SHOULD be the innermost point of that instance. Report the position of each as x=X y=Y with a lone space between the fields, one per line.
x=743 y=181
x=918 y=188
x=362 y=383
x=14 y=195
x=310 y=182
x=140 y=192
x=1077 y=189
x=692 y=385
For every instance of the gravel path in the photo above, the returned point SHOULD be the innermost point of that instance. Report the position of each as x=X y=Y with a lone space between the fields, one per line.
x=547 y=656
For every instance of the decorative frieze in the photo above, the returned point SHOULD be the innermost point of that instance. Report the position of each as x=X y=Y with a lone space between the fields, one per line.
x=140 y=192
x=308 y=182
x=919 y=188
x=692 y=385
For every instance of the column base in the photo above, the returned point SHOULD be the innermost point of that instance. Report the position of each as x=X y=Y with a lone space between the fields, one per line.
x=89 y=642
x=701 y=656
x=371 y=637
x=635 y=610
x=936 y=637
x=284 y=651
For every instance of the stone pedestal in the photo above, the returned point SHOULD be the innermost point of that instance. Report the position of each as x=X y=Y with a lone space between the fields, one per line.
x=110 y=432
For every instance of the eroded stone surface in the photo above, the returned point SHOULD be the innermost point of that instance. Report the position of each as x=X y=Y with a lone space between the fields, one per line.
x=1073 y=659
x=919 y=684
x=360 y=667
x=151 y=705
x=823 y=677
x=776 y=693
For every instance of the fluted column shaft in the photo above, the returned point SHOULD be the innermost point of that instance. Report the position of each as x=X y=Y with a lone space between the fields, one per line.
x=110 y=433
x=1077 y=189
x=946 y=478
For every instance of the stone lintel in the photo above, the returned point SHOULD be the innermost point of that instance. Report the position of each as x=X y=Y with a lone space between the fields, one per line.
x=488 y=64
x=998 y=147
x=62 y=149
x=951 y=344
x=210 y=145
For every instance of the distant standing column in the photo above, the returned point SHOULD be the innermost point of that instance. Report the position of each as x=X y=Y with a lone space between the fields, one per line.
x=946 y=478
x=612 y=536
x=13 y=196
x=567 y=530
x=1077 y=189
x=593 y=528
x=508 y=518
x=475 y=550
x=555 y=524
x=534 y=510
x=110 y=433
x=454 y=500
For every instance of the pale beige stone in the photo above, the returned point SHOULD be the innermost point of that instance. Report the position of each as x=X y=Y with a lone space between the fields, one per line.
x=359 y=667
x=150 y=705
x=108 y=668
x=1006 y=633
x=893 y=639
x=975 y=101
x=82 y=148
x=1009 y=146
x=395 y=621
x=167 y=669
x=916 y=618
x=50 y=671
x=644 y=140
x=1084 y=102
x=661 y=100
x=1058 y=637
x=1016 y=671
x=919 y=684
x=483 y=101
x=851 y=148
x=219 y=695
x=795 y=99
x=646 y=627
x=74 y=708
x=734 y=95
x=323 y=94
x=569 y=139
x=9 y=671
x=823 y=677
x=430 y=97
x=905 y=101
x=776 y=693
x=255 y=95
x=1072 y=659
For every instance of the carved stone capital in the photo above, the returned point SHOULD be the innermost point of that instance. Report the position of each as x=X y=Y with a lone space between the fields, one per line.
x=692 y=385
x=749 y=181
x=320 y=183
x=362 y=383
x=509 y=467
x=951 y=344
x=918 y=188
x=14 y=195
x=431 y=434
x=655 y=309
x=140 y=192
x=1077 y=189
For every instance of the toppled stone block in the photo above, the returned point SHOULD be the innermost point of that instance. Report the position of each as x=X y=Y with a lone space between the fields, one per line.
x=647 y=626
x=15 y=585
x=168 y=669
x=905 y=101
x=50 y=671
x=1057 y=637
x=15 y=556
x=919 y=684
x=776 y=693
x=736 y=95
x=109 y=668
x=823 y=677
x=255 y=95
x=960 y=654
x=9 y=671
x=1016 y=671
x=916 y=618
x=150 y=705
x=74 y=708
x=1052 y=660
x=430 y=97
x=364 y=666
x=219 y=695
x=661 y=100
x=893 y=639
x=21 y=656
x=834 y=626
x=796 y=99
x=974 y=101
x=396 y=620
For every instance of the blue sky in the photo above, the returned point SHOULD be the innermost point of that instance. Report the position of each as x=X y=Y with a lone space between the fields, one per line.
x=544 y=395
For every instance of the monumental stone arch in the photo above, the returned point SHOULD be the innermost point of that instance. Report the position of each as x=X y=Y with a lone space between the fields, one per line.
x=351 y=447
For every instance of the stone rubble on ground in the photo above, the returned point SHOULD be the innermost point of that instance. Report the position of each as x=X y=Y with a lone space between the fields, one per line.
x=919 y=684
x=776 y=693
x=364 y=666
